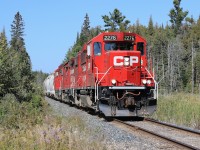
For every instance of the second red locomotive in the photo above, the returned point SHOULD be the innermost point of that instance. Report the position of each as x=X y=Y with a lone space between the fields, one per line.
x=110 y=75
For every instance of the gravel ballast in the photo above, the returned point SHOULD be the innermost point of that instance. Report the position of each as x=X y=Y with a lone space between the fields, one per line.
x=114 y=138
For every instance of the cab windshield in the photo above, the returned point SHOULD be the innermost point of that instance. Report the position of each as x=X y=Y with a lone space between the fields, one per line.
x=109 y=46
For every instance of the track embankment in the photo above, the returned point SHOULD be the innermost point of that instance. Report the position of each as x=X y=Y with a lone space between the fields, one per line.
x=113 y=136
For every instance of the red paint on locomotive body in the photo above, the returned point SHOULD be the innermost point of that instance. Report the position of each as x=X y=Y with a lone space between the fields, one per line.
x=123 y=55
x=109 y=72
x=66 y=75
x=57 y=78
x=124 y=75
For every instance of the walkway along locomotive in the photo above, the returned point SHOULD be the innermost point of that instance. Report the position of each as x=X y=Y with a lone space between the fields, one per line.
x=109 y=75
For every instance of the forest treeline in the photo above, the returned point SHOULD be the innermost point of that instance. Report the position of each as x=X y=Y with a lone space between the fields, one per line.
x=174 y=48
x=16 y=75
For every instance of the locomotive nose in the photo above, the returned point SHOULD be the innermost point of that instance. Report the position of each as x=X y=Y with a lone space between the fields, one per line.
x=126 y=67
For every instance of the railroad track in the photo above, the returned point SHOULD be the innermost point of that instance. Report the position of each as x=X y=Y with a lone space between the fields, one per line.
x=178 y=143
x=173 y=126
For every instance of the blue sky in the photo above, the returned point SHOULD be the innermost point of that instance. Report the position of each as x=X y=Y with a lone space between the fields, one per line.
x=51 y=26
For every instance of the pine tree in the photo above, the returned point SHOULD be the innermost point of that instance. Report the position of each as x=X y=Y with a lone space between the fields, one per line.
x=94 y=31
x=84 y=37
x=3 y=43
x=190 y=20
x=23 y=75
x=115 y=22
x=8 y=67
x=138 y=31
x=77 y=37
x=3 y=62
x=17 y=32
x=150 y=27
x=177 y=15
x=85 y=31
x=86 y=26
x=68 y=55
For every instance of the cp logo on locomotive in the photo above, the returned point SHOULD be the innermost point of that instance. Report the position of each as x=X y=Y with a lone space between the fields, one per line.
x=119 y=60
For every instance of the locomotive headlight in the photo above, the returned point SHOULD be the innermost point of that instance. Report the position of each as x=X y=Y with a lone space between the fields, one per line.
x=113 y=81
x=144 y=81
x=148 y=81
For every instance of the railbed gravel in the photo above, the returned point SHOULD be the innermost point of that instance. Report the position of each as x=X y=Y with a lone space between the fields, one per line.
x=189 y=138
x=115 y=138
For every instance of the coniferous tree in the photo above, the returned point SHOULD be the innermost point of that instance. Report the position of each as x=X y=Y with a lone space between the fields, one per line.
x=80 y=40
x=115 y=22
x=8 y=67
x=3 y=63
x=94 y=31
x=3 y=42
x=68 y=55
x=85 y=31
x=23 y=75
x=150 y=27
x=77 y=37
x=86 y=26
x=177 y=15
x=190 y=20
x=138 y=26
x=150 y=34
x=17 y=33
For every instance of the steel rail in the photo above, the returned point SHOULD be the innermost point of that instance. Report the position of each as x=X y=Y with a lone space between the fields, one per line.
x=173 y=126
x=159 y=135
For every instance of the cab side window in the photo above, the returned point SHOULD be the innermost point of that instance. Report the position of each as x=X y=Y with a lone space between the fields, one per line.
x=97 y=48
x=83 y=57
x=140 y=47
x=61 y=72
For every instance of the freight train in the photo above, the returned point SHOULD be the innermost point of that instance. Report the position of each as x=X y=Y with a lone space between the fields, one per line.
x=109 y=75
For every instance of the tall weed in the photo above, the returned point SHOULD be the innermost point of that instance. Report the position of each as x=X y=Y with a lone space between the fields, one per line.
x=56 y=133
x=179 y=108
x=31 y=125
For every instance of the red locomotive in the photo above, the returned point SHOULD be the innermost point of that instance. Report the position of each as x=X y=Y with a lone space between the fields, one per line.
x=109 y=75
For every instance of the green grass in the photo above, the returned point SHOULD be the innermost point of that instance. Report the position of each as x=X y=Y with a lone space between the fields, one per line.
x=32 y=126
x=179 y=108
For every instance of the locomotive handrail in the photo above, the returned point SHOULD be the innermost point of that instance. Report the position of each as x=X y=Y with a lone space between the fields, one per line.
x=97 y=82
x=105 y=74
x=156 y=84
x=95 y=96
x=78 y=80
x=135 y=68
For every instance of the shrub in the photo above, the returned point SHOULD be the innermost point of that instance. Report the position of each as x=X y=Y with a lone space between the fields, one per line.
x=37 y=101
x=14 y=114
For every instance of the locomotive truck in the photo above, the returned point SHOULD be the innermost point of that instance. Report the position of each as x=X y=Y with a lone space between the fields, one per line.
x=110 y=75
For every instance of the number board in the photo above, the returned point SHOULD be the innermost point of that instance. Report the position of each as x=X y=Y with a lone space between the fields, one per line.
x=129 y=38
x=110 y=38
